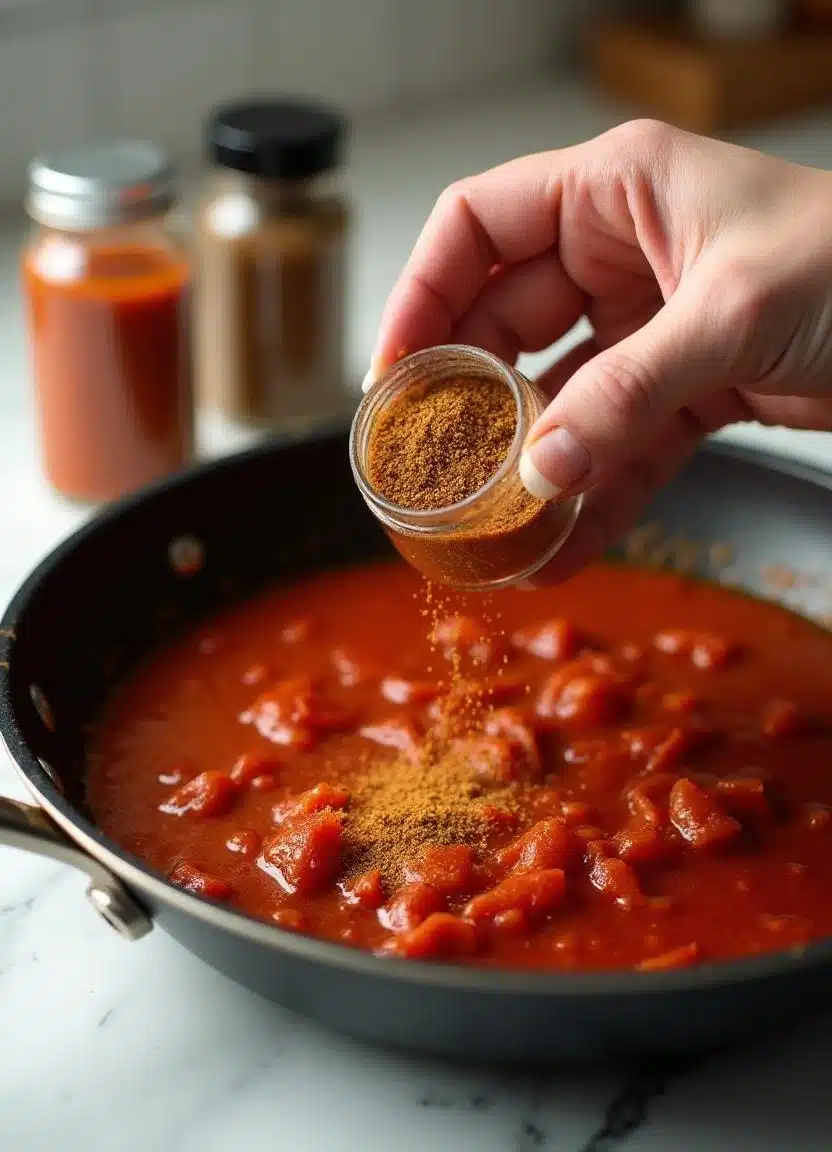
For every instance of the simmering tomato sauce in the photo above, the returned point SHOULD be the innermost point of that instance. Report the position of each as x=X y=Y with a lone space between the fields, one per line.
x=657 y=751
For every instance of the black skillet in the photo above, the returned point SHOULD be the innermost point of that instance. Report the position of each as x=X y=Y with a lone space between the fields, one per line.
x=187 y=546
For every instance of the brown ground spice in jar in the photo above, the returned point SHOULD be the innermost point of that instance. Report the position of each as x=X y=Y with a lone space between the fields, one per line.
x=439 y=442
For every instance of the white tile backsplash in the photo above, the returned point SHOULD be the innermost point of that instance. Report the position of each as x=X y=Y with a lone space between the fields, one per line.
x=169 y=65
x=72 y=69
x=449 y=47
x=338 y=51
x=44 y=95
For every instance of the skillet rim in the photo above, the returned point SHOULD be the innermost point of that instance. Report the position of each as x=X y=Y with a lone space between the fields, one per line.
x=144 y=880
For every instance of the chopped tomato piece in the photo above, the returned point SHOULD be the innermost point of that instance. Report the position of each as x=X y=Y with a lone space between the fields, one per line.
x=607 y=768
x=494 y=758
x=555 y=639
x=545 y=801
x=398 y=733
x=699 y=817
x=440 y=937
x=535 y=893
x=304 y=854
x=410 y=905
x=513 y=922
x=511 y=724
x=745 y=797
x=632 y=653
x=640 y=742
x=366 y=889
x=797 y=927
x=447 y=867
x=590 y=833
x=353 y=669
x=499 y=816
x=662 y=748
x=208 y=794
x=782 y=719
x=678 y=702
x=293 y=713
x=616 y=878
x=705 y=650
x=648 y=798
x=595 y=748
x=255 y=674
x=173 y=776
x=675 y=958
x=194 y=879
x=296 y=631
x=210 y=644
x=576 y=812
x=251 y=765
x=583 y=698
x=322 y=796
x=641 y=842
x=400 y=690
x=817 y=816
x=669 y=752
x=547 y=844
x=291 y=920
x=464 y=638
x=245 y=843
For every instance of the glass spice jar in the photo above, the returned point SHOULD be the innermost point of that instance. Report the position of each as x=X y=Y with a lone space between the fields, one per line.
x=107 y=289
x=272 y=231
x=500 y=534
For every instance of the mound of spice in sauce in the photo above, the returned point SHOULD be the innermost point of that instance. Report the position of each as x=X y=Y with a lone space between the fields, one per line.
x=436 y=796
x=442 y=430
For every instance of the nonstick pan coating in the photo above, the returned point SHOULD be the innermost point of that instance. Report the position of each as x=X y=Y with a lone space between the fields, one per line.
x=192 y=544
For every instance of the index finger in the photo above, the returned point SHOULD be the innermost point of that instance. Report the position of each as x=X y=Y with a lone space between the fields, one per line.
x=503 y=216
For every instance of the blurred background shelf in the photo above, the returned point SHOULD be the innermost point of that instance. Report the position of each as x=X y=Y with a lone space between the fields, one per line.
x=675 y=73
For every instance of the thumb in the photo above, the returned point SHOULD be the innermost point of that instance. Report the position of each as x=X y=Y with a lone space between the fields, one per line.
x=616 y=403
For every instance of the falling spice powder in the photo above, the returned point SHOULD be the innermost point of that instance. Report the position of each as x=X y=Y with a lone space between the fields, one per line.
x=436 y=442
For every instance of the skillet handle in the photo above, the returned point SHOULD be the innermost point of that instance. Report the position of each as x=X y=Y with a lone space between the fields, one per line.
x=27 y=827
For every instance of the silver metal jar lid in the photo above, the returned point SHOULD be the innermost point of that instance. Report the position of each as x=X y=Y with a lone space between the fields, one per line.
x=100 y=185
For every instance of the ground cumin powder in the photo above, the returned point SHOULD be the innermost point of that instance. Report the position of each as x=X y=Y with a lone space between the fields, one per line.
x=440 y=441
x=400 y=805
x=436 y=442
x=436 y=796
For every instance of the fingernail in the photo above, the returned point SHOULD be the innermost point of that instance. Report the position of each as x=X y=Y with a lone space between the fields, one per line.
x=556 y=454
x=373 y=373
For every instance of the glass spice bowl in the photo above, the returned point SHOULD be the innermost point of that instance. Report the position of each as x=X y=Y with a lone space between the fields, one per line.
x=500 y=534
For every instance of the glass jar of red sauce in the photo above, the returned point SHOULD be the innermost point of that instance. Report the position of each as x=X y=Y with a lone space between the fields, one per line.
x=107 y=286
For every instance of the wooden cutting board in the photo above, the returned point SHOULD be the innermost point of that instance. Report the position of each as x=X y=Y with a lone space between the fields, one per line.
x=674 y=73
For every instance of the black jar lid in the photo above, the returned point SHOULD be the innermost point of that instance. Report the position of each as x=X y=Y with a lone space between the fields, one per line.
x=277 y=139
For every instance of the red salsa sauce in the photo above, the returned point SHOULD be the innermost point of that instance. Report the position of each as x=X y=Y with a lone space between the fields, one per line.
x=665 y=746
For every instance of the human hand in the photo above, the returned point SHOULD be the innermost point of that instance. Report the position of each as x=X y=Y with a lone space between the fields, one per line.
x=704 y=269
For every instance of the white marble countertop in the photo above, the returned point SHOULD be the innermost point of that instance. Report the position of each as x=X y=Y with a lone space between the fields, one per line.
x=107 y=1046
